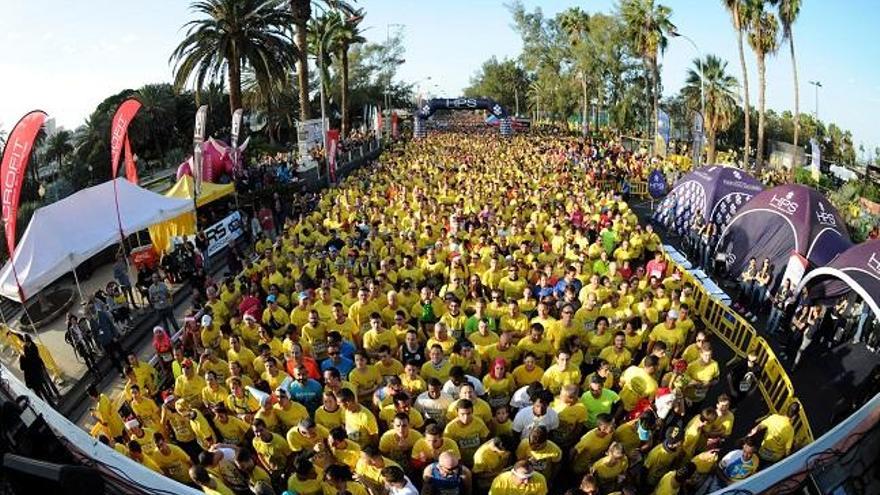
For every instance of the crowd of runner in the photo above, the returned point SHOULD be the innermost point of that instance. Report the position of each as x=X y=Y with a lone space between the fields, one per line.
x=470 y=314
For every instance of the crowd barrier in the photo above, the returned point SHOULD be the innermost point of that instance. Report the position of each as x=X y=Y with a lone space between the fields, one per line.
x=739 y=335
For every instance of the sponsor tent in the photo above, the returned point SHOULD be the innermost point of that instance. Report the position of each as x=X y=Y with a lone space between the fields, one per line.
x=780 y=223
x=185 y=224
x=68 y=232
x=856 y=269
x=715 y=191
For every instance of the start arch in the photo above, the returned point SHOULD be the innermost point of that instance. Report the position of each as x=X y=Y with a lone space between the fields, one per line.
x=430 y=106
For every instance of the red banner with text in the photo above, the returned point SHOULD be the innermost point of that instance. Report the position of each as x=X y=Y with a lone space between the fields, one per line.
x=16 y=155
x=332 y=145
x=119 y=138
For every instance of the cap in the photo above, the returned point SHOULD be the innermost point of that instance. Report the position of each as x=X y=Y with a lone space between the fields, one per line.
x=249 y=317
x=271 y=298
x=132 y=423
x=303 y=295
x=187 y=363
x=169 y=399
x=207 y=320
x=672 y=314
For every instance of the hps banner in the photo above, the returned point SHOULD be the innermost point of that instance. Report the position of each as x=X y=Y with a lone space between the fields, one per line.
x=198 y=139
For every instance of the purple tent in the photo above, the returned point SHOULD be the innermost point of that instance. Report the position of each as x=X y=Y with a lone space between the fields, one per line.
x=856 y=269
x=717 y=192
x=780 y=222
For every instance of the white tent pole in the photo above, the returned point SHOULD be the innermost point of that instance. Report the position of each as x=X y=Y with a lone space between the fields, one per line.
x=78 y=287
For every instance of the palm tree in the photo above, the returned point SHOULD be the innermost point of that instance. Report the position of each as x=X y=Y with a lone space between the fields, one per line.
x=763 y=29
x=231 y=35
x=59 y=146
x=647 y=25
x=536 y=91
x=301 y=12
x=738 y=12
x=156 y=118
x=788 y=14
x=719 y=90
x=348 y=35
x=324 y=34
x=576 y=25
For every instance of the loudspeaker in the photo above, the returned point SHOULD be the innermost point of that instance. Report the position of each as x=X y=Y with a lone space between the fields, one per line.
x=31 y=475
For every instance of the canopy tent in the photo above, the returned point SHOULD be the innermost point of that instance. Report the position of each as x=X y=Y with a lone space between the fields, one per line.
x=68 y=232
x=715 y=191
x=185 y=224
x=856 y=269
x=209 y=192
x=779 y=222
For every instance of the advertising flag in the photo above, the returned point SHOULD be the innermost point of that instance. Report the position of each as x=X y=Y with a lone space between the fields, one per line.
x=131 y=172
x=16 y=156
x=394 y=123
x=198 y=139
x=236 y=130
x=119 y=136
x=816 y=159
x=332 y=143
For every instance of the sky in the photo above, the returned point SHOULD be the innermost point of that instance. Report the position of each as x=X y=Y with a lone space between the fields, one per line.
x=65 y=57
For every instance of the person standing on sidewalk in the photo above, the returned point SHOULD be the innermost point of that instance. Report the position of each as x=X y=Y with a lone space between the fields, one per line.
x=35 y=375
x=75 y=338
x=108 y=338
x=160 y=298
x=120 y=274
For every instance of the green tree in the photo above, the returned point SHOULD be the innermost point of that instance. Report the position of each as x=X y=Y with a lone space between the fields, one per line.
x=763 y=38
x=575 y=23
x=647 y=26
x=232 y=35
x=323 y=39
x=349 y=34
x=505 y=82
x=59 y=146
x=789 y=10
x=738 y=15
x=719 y=91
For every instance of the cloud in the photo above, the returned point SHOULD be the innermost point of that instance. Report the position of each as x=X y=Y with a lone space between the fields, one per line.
x=129 y=38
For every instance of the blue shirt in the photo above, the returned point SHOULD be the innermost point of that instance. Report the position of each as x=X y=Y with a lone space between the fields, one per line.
x=562 y=284
x=347 y=349
x=344 y=365
x=307 y=394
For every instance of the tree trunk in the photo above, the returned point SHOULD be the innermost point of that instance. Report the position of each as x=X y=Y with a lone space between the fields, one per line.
x=745 y=81
x=302 y=11
x=234 y=84
x=759 y=156
x=346 y=116
x=797 y=103
x=711 y=136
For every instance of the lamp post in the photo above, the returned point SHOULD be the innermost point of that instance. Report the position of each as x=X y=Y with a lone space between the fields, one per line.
x=817 y=85
x=676 y=34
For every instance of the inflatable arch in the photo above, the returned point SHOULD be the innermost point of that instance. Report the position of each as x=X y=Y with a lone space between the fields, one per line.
x=429 y=107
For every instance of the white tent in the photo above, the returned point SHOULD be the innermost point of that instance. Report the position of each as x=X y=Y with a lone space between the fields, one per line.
x=66 y=233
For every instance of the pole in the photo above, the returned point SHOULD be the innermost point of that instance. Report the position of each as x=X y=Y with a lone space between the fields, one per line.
x=516 y=98
x=76 y=281
x=699 y=156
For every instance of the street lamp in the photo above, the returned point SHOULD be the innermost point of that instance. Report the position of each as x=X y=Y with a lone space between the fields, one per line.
x=818 y=85
x=676 y=34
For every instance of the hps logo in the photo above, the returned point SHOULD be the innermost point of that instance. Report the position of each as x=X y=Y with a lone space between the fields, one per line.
x=825 y=217
x=784 y=203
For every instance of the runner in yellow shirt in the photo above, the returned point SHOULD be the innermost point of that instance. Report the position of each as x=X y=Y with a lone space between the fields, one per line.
x=522 y=479
x=467 y=430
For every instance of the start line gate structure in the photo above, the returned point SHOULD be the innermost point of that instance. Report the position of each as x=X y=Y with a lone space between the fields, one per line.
x=429 y=107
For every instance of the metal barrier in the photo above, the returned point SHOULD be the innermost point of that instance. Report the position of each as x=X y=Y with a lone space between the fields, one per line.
x=739 y=335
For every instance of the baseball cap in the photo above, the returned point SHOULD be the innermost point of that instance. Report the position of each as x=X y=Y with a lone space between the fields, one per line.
x=271 y=298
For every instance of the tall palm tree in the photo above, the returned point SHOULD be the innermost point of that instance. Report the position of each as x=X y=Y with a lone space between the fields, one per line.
x=301 y=11
x=324 y=34
x=788 y=14
x=738 y=13
x=763 y=30
x=647 y=25
x=233 y=34
x=719 y=91
x=349 y=35
x=576 y=25
x=59 y=145
x=537 y=90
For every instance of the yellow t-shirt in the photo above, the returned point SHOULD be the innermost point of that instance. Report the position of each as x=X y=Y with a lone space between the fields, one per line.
x=554 y=378
x=398 y=449
x=542 y=459
x=175 y=464
x=273 y=453
x=523 y=376
x=607 y=471
x=360 y=425
x=467 y=436
x=506 y=483
x=588 y=449
x=423 y=449
x=778 y=439
x=638 y=384
x=488 y=461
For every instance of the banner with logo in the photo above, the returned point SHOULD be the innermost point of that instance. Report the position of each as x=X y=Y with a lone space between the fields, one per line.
x=656 y=184
x=815 y=163
x=332 y=144
x=236 y=130
x=16 y=156
x=119 y=138
x=698 y=139
x=220 y=234
x=198 y=139
x=310 y=135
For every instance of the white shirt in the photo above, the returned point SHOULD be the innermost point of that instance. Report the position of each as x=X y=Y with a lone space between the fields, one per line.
x=525 y=420
x=451 y=390
x=433 y=408
x=520 y=398
x=408 y=489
